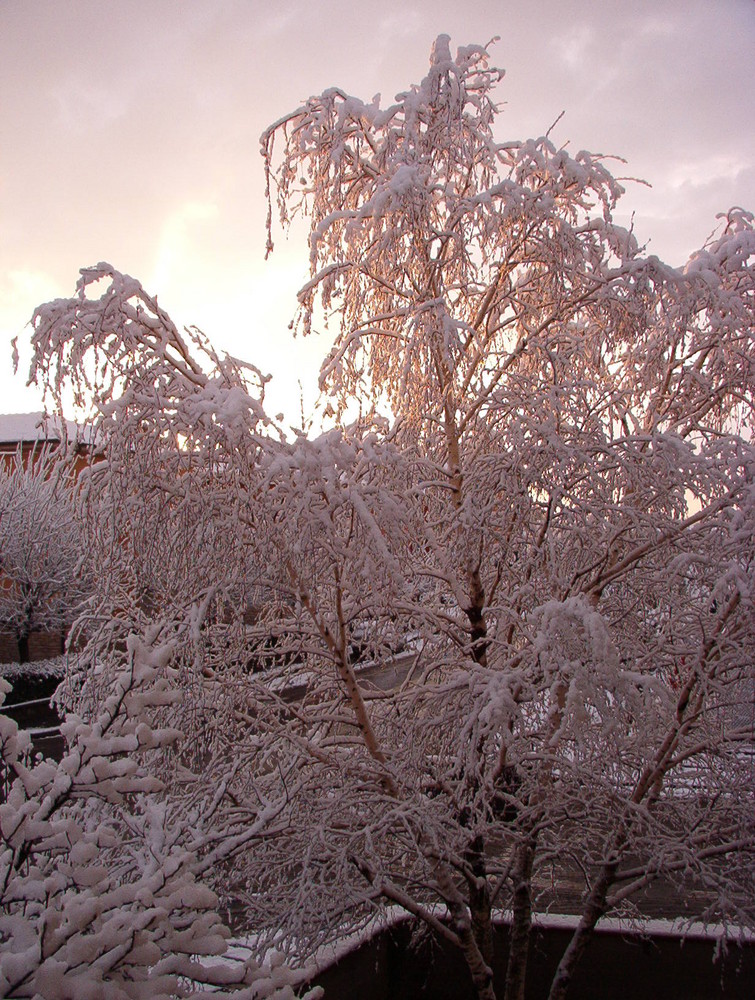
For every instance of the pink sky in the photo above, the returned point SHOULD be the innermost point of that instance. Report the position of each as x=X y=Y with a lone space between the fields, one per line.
x=130 y=134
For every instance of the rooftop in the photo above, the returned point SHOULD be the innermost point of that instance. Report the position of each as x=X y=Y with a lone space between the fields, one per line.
x=31 y=428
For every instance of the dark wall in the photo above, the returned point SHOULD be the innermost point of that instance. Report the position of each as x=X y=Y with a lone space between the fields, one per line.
x=394 y=966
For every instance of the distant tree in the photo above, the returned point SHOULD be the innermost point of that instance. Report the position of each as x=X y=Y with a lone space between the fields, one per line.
x=42 y=577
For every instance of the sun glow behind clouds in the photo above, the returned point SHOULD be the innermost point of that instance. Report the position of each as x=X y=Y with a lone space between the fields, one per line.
x=179 y=246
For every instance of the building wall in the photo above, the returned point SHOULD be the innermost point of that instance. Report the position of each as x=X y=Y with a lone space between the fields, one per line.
x=42 y=646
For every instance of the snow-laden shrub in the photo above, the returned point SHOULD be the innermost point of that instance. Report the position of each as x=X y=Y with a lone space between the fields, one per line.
x=101 y=895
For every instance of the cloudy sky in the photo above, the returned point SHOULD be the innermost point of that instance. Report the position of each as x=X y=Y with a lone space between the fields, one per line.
x=129 y=133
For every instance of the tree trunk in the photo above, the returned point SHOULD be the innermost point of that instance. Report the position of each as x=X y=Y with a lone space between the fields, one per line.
x=461 y=925
x=23 y=647
x=479 y=899
x=516 y=970
x=479 y=966
x=594 y=910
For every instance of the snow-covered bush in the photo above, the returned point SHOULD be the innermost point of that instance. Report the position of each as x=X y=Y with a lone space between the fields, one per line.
x=100 y=870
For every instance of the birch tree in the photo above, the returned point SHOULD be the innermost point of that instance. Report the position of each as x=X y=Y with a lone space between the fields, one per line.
x=577 y=417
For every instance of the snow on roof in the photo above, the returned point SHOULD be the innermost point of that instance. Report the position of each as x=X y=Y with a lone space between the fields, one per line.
x=18 y=428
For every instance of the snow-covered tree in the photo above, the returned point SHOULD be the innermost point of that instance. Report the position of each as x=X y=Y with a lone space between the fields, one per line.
x=128 y=834
x=582 y=530
x=42 y=581
x=502 y=627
